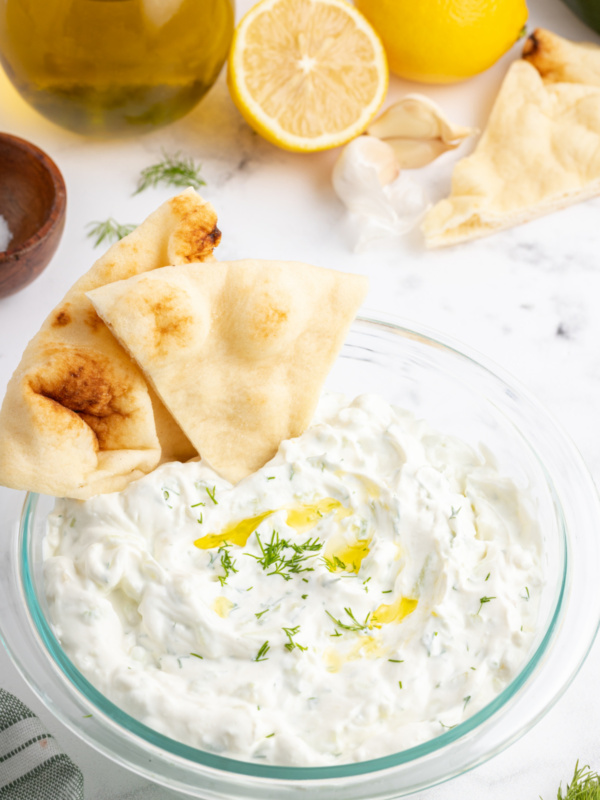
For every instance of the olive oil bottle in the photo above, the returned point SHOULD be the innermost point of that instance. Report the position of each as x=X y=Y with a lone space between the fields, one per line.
x=112 y=66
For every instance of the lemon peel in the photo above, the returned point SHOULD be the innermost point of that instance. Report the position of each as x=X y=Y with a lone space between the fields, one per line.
x=436 y=41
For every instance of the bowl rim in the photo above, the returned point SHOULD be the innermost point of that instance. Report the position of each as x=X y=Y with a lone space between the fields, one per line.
x=224 y=768
x=59 y=201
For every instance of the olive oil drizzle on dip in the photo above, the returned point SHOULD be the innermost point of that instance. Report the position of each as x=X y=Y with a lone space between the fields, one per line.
x=371 y=586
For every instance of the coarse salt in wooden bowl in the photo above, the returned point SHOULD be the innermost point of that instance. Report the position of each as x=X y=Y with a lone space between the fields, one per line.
x=33 y=200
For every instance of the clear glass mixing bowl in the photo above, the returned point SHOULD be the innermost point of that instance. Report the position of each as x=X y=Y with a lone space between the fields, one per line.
x=458 y=394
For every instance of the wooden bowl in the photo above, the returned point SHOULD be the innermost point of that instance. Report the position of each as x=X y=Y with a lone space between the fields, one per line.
x=33 y=201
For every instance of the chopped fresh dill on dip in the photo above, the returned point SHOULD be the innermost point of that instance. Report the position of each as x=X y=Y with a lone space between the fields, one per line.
x=262 y=653
x=265 y=603
x=483 y=601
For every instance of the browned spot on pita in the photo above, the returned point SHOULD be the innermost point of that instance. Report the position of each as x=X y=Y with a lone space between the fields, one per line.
x=197 y=234
x=559 y=60
x=200 y=243
x=532 y=44
x=543 y=50
x=80 y=381
x=61 y=318
x=170 y=325
x=102 y=427
x=92 y=320
x=267 y=321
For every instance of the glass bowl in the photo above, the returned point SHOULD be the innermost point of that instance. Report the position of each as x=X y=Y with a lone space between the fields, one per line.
x=460 y=395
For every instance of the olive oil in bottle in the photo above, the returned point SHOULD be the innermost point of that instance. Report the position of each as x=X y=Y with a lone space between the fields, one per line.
x=112 y=66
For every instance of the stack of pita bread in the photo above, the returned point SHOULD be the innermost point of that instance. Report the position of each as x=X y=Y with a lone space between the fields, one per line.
x=160 y=352
x=540 y=151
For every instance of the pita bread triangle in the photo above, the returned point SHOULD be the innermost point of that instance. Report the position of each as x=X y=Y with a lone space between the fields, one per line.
x=559 y=60
x=78 y=417
x=539 y=153
x=237 y=351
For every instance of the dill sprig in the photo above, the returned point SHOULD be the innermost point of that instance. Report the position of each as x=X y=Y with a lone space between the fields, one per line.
x=335 y=563
x=355 y=625
x=108 y=231
x=585 y=785
x=482 y=601
x=262 y=653
x=173 y=170
x=272 y=555
x=211 y=494
x=291 y=644
x=227 y=563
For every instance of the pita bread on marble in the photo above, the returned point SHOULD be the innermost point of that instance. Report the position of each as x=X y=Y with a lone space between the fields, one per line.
x=539 y=153
x=560 y=61
x=237 y=351
x=78 y=417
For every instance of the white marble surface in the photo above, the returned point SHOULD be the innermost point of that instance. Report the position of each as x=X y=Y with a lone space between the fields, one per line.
x=527 y=298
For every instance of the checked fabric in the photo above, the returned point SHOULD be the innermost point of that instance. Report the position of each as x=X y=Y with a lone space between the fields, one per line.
x=32 y=766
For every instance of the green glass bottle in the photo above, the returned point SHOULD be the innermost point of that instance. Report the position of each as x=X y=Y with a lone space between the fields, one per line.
x=114 y=66
x=588 y=11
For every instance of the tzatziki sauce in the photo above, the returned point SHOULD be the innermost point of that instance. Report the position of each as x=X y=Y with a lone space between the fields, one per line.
x=368 y=589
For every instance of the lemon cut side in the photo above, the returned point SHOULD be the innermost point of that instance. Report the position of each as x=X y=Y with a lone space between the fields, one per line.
x=307 y=75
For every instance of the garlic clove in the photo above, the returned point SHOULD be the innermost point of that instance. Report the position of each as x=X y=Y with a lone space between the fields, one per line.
x=365 y=165
x=367 y=179
x=415 y=153
x=368 y=151
x=417 y=120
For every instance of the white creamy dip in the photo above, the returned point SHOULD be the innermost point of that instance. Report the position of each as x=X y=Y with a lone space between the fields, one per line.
x=387 y=590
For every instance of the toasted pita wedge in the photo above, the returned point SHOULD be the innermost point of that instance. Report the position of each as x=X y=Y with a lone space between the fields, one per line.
x=560 y=61
x=237 y=351
x=539 y=153
x=78 y=417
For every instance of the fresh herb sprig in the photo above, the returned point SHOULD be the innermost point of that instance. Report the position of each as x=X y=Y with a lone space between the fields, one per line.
x=211 y=494
x=291 y=644
x=354 y=625
x=108 y=231
x=172 y=170
x=585 y=785
x=482 y=601
x=335 y=563
x=262 y=653
x=273 y=557
x=227 y=563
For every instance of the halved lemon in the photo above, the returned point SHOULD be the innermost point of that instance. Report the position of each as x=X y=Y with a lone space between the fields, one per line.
x=307 y=74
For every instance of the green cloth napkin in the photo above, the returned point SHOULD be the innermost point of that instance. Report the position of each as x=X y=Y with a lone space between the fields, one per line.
x=32 y=766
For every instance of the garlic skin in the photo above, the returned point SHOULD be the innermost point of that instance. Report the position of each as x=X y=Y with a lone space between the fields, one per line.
x=366 y=178
x=418 y=131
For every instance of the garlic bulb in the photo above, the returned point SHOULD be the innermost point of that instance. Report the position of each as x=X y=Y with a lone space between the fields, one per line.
x=418 y=131
x=366 y=178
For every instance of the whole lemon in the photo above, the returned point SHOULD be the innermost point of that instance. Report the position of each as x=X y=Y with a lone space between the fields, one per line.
x=441 y=41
